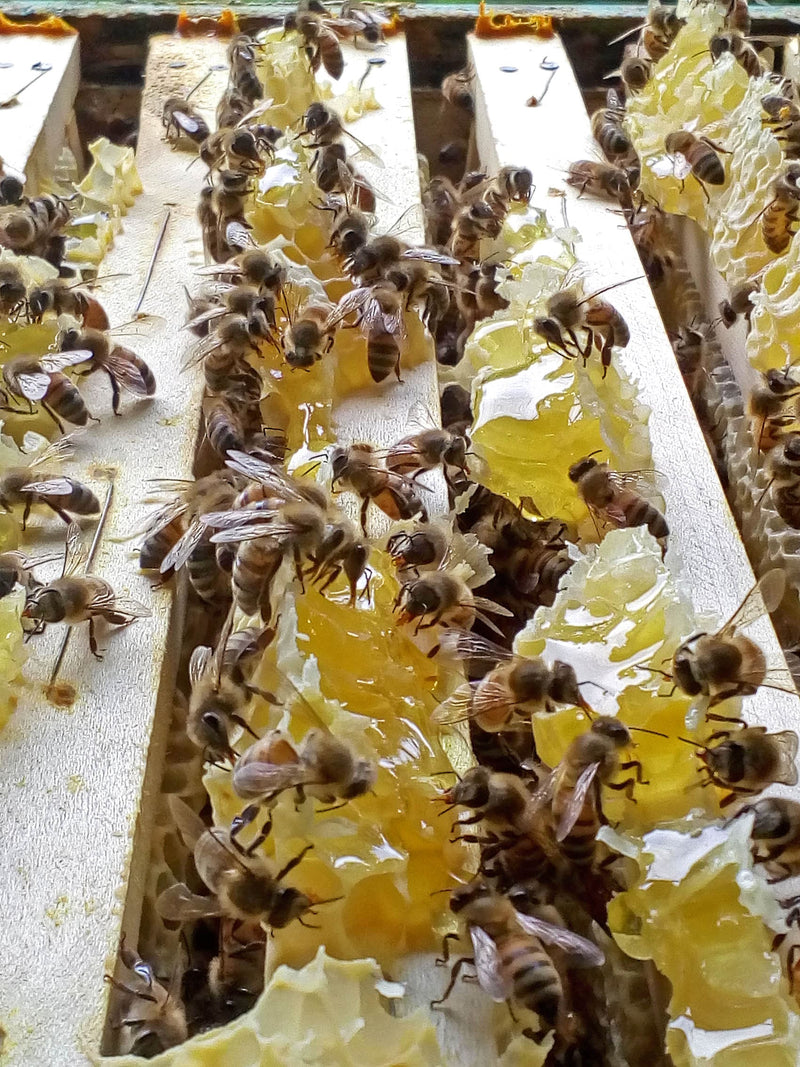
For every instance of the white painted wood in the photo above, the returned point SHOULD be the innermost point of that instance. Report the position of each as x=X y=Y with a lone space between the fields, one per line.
x=32 y=132
x=706 y=552
x=72 y=781
x=380 y=414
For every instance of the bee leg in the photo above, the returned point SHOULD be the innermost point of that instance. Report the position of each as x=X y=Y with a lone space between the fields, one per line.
x=725 y=718
x=364 y=507
x=791 y=962
x=53 y=416
x=59 y=511
x=720 y=734
x=238 y=823
x=245 y=726
x=735 y=690
x=93 y=640
x=627 y=786
x=631 y=764
x=781 y=877
x=115 y=394
x=605 y=355
x=702 y=185
x=25 y=513
x=263 y=834
x=263 y=693
x=457 y=966
x=290 y=866
x=335 y=572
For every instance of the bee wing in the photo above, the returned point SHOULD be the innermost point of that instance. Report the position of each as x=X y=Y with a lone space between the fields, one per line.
x=32 y=386
x=198 y=352
x=183 y=548
x=75 y=555
x=52 y=487
x=238 y=235
x=58 y=360
x=575 y=805
x=492 y=607
x=274 y=530
x=787 y=743
x=162 y=517
x=764 y=597
x=413 y=218
x=458 y=705
x=219 y=269
x=491 y=976
x=188 y=123
x=126 y=372
x=199 y=662
x=350 y=302
x=259 y=779
x=189 y=824
x=581 y=951
x=430 y=255
x=259 y=471
x=180 y=904
x=467 y=644
x=205 y=316
x=58 y=450
x=122 y=605
x=642 y=481
x=420 y=416
x=364 y=151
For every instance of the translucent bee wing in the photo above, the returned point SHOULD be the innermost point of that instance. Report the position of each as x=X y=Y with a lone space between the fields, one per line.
x=364 y=151
x=128 y=375
x=127 y=606
x=215 y=269
x=260 y=779
x=33 y=386
x=237 y=234
x=787 y=743
x=163 y=517
x=763 y=598
x=349 y=303
x=467 y=644
x=199 y=663
x=205 y=316
x=273 y=530
x=458 y=705
x=54 y=361
x=491 y=976
x=576 y=801
x=265 y=473
x=429 y=255
x=180 y=904
x=581 y=951
x=197 y=353
x=492 y=607
x=180 y=552
x=52 y=487
x=420 y=416
x=58 y=450
x=413 y=218
x=75 y=555
x=645 y=482
x=189 y=824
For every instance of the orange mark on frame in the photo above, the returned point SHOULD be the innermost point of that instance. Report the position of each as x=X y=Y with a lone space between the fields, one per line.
x=500 y=24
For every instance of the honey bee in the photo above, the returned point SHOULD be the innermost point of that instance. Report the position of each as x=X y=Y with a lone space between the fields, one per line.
x=726 y=663
x=320 y=43
x=457 y=89
x=425 y=450
x=236 y=147
x=42 y=381
x=357 y=467
x=236 y=975
x=243 y=73
x=515 y=688
x=322 y=767
x=568 y=312
x=224 y=353
x=748 y=760
x=74 y=598
x=233 y=106
x=783 y=118
x=500 y=801
x=372 y=261
x=741 y=50
x=364 y=21
x=34 y=227
x=12 y=290
x=779 y=217
x=351 y=230
x=510 y=954
x=701 y=156
x=420 y=549
x=151 y=1015
x=62 y=299
x=441 y=201
x=12 y=189
x=253 y=267
x=224 y=298
x=220 y=695
x=611 y=497
x=650 y=230
x=775 y=836
x=737 y=16
x=608 y=131
x=441 y=598
x=179 y=119
x=635 y=72
x=125 y=369
x=229 y=193
x=690 y=345
x=326 y=128
x=783 y=468
x=766 y=407
x=472 y=224
x=308 y=337
x=341 y=549
x=379 y=316
x=658 y=31
x=601 y=179
x=229 y=425
x=242 y=885
x=573 y=789
x=31 y=485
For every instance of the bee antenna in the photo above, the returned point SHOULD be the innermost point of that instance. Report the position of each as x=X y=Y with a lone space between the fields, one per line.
x=596 y=452
x=602 y=688
x=327 y=900
x=444 y=811
x=642 y=730
x=436 y=892
x=687 y=741
x=766 y=489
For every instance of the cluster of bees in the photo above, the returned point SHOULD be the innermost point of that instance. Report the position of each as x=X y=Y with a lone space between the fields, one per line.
x=535 y=913
x=46 y=382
